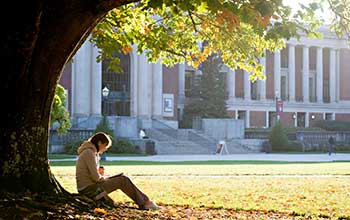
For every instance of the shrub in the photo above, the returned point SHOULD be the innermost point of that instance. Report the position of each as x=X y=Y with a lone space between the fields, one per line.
x=278 y=138
x=332 y=125
x=72 y=147
x=123 y=146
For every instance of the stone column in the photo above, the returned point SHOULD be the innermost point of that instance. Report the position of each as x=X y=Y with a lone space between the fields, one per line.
x=143 y=87
x=266 y=119
x=96 y=82
x=73 y=77
x=277 y=73
x=307 y=119
x=305 y=74
x=332 y=75
x=134 y=81
x=247 y=85
x=230 y=83
x=82 y=81
x=157 y=90
x=337 y=73
x=262 y=83
x=291 y=72
x=181 y=84
x=247 y=119
x=319 y=75
x=333 y=116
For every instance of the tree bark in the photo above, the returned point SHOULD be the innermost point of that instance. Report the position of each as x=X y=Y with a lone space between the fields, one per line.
x=34 y=51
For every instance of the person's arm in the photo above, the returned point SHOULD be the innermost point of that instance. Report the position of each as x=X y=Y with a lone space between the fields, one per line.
x=92 y=166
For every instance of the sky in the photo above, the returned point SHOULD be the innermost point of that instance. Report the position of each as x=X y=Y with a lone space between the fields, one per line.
x=294 y=4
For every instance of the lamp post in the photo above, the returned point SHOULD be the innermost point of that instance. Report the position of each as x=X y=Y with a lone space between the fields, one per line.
x=105 y=93
x=277 y=107
x=123 y=100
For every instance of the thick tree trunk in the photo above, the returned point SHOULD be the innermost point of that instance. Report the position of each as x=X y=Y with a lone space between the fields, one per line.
x=34 y=51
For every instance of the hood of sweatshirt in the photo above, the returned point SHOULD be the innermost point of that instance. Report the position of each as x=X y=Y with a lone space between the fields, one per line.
x=86 y=145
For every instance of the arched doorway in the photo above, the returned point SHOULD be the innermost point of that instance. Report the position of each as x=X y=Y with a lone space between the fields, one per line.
x=117 y=102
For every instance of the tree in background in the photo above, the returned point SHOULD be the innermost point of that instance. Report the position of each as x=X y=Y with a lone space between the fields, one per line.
x=213 y=88
x=59 y=112
x=208 y=97
x=278 y=137
x=340 y=19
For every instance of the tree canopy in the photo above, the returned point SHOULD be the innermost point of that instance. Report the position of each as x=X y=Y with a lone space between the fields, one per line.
x=240 y=31
x=340 y=16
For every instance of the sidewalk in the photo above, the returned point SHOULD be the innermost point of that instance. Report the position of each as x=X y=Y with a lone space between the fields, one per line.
x=238 y=157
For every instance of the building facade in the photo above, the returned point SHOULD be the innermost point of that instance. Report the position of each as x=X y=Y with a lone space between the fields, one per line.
x=308 y=80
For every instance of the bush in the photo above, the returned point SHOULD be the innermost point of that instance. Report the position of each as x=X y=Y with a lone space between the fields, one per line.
x=341 y=147
x=72 y=147
x=103 y=126
x=123 y=146
x=332 y=125
x=278 y=138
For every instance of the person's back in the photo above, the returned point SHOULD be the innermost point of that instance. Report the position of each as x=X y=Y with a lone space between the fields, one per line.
x=86 y=162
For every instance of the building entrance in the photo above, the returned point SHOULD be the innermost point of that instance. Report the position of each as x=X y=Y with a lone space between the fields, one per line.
x=117 y=100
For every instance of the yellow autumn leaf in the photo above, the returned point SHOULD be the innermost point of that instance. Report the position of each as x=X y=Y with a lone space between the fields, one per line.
x=100 y=211
x=126 y=49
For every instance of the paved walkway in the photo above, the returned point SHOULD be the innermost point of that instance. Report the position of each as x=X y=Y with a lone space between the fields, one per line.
x=259 y=156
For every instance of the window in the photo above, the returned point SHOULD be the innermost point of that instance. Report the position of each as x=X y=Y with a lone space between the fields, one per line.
x=118 y=100
x=189 y=81
x=168 y=105
x=284 y=57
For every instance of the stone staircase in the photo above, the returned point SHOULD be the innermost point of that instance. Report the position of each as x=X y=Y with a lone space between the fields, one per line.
x=190 y=141
x=178 y=141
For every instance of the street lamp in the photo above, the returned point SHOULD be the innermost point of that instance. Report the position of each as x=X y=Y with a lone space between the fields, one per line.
x=123 y=100
x=105 y=93
x=277 y=107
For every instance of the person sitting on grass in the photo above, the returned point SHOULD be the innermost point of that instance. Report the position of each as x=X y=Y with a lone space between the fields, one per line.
x=92 y=184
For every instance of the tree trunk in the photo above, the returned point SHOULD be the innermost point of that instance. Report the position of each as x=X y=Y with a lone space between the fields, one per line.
x=34 y=51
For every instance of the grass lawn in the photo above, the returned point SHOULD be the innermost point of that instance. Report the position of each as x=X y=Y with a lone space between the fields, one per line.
x=312 y=189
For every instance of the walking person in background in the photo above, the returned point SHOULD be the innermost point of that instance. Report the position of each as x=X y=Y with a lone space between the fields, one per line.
x=143 y=134
x=331 y=145
x=90 y=178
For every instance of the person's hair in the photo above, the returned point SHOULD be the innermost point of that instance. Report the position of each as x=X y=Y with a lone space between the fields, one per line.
x=100 y=136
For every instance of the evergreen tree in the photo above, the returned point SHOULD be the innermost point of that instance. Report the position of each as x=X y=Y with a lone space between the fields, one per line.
x=278 y=137
x=213 y=89
x=208 y=93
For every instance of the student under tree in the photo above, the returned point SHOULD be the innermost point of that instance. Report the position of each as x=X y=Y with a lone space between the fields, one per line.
x=91 y=183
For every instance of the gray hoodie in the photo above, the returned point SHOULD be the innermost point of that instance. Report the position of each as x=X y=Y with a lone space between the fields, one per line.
x=87 y=165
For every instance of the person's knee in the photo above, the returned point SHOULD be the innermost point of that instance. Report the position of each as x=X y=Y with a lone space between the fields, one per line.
x=125 y=178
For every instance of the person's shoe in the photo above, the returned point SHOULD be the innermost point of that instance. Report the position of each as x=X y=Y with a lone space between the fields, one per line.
x=101 y=195
x=109 y=201
x=152 y=206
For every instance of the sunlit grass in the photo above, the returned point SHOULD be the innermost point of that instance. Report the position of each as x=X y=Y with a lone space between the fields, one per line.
x=312 y=189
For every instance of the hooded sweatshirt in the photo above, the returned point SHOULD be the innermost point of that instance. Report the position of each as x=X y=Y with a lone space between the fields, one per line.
x=87 y=165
